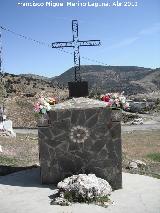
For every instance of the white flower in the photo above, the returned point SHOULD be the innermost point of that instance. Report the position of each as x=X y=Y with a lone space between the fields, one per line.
x=79 y=134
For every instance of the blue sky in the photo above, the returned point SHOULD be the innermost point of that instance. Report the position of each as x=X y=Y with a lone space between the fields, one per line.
x=129 y=35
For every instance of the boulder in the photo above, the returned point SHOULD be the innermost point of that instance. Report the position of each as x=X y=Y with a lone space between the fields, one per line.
x=135 y=164
x=140 y=163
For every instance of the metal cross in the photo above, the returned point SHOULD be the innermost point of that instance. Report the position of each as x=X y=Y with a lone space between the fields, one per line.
x=76 y=44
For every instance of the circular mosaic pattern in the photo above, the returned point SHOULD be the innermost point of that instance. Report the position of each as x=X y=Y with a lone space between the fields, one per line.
x=79 y=134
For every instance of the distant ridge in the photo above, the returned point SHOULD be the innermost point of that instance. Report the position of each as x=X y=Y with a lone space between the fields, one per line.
x=131 y=79
x=22 y=91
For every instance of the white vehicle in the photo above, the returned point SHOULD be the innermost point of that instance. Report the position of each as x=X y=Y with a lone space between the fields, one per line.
x=137 y=121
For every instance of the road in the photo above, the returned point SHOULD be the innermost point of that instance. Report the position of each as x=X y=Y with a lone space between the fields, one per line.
x=143 y=127
x=125 y=128
x=26 y=131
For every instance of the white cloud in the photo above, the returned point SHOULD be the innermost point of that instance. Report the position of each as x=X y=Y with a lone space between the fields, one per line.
x=125 y=42
x=155 y=28
x=151 y=30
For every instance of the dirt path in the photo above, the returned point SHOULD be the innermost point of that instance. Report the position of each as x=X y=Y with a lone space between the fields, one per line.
x=143 y=127
x=149 y=125
x=26 y=131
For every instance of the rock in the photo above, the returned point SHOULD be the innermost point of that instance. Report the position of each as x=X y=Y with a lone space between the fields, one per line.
x=133 y=165
x=37 y=164
x=6 y=133
x=140 y=163
x=1 y=149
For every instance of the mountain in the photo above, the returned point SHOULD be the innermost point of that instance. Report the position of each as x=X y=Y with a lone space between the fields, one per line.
x=25 y=84
x=33 y=76
x=131 y=79
x=22 y=91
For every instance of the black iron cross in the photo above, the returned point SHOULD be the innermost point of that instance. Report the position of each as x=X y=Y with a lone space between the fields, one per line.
x=76 y=44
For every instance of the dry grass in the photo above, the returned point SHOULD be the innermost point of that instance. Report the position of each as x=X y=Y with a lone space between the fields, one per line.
x=19 y=151
x=138 y=145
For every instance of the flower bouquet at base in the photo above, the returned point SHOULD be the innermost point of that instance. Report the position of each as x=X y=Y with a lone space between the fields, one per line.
x=115 y=100
x=51 y=100
x=44 y=105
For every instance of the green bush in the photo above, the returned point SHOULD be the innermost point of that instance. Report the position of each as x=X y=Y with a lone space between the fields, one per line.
x=5 y=160
x=154 y=156
x=72 y=197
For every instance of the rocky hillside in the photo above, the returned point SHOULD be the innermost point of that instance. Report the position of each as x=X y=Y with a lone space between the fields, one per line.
x=130 y=79
x=29 y=85
x=22 y=91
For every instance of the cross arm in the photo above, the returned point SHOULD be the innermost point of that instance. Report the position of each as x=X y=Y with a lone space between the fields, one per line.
x=62 y=44
x=90 y=43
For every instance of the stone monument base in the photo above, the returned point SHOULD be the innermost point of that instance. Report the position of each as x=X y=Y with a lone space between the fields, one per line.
x=81 y=136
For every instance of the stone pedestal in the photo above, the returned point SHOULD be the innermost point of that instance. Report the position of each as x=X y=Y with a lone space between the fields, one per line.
x=81 y=136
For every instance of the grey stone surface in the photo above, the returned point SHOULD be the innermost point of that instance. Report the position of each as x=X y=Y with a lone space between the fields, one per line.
x=81 y=137
x=22 y=192
x=80 y=103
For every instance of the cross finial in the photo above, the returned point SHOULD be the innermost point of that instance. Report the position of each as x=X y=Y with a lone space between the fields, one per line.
x=76 y=43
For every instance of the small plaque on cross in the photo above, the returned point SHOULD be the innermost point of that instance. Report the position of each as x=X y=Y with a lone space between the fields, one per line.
x=78 y=88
